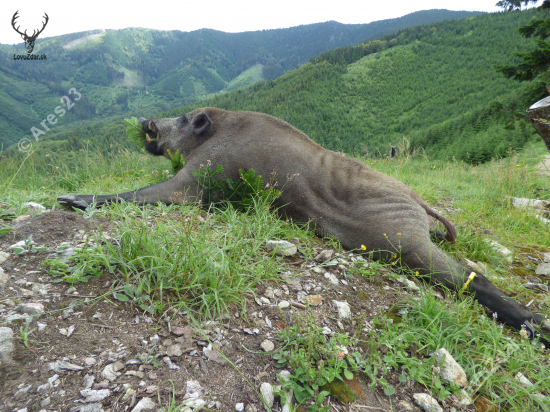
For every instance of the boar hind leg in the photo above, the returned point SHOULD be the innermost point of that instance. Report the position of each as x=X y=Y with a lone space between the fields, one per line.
x=168 y=192
x=443 y=270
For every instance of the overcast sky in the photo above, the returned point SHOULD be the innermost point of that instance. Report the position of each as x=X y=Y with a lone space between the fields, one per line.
x=224 y=15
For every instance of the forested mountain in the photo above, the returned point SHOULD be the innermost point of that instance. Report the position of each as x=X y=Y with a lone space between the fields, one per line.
x=433 y=84
x=130 y=71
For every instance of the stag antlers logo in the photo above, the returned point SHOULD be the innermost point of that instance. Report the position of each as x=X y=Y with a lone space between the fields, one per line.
x=29 y=40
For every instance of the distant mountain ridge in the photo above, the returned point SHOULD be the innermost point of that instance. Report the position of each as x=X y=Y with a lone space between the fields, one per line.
x=121 y=72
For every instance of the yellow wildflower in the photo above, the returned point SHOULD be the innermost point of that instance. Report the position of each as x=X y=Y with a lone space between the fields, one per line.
x=363 y=247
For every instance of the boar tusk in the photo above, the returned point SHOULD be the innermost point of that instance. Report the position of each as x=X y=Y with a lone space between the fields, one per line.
x=149 y=140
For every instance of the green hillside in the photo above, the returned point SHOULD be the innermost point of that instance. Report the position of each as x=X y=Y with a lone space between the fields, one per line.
x=131 y=71
x=432 y=84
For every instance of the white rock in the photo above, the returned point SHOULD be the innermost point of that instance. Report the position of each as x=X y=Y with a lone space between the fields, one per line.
x=239 y=407
x=463 y=398
x=522 y=202
x=269 y=293
x=93 y=395
x=267 y=346
x=473 y=265
x=450 y=371
x=3 y=256
x=281 y=247
x=505 y=252
x=521 y=377
x=6 y=344
x=31 y=308
x=109 y=372
x=267 y=393
x=289 y=393
x=332 y=278
x=283 y=304
x=324 y=255
x=411 y=285
x=145 y=404
x=344 y=310
x=3 y=279
x=264 y=300
x=427 y=403
x=546 y=257
x=34 y=205
x=543 y=269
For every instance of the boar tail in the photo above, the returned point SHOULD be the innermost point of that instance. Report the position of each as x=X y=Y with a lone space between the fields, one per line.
x=451 y=231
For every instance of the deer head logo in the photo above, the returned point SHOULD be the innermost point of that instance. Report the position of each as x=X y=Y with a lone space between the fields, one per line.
x=29 y=40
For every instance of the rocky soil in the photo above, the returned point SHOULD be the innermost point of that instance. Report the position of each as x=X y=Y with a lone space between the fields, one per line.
x=90 y=352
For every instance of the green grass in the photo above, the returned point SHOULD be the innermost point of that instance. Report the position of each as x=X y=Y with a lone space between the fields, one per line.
x=488 y=354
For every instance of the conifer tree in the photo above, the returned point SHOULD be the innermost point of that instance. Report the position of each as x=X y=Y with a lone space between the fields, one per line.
x=536 y=63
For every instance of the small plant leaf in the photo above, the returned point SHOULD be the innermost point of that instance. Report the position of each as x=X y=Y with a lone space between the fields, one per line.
x=390 y=390
x=5 y=230
x=348 y=374
x=122 y=297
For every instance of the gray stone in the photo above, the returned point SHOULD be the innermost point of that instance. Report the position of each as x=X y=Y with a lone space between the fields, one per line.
x=427 y=403
x=463 y=398
x=21 y=392
x=332 y=278
x=145 y=404
x=405 y=406
x=267 y=393
x=521 y=378
x=289 y=393
x=522 y=202
x=344 y=310
x=281 y=247
x=109 y=373
x=174 y=350
x=6 y=344
x=451 y=371
x=3 y=279
x=32 y=308
x=536 y=286
x=88 y=381
x=90 y=407
x=543 y=269
x=269 y=293
x=34 y=206
x=324 y=255
x=505 y=252
x=3 y=256
x=267 y=345
x=93 y=395
x=411 y=285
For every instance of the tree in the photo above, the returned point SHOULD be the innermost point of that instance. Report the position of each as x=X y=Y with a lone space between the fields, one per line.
x=536 y=62
x=535 y=66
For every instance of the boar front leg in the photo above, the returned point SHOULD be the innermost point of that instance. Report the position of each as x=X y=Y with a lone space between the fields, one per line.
x=181 y=188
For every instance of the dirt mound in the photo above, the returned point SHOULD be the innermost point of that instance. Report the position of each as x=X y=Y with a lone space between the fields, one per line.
x=53 y=227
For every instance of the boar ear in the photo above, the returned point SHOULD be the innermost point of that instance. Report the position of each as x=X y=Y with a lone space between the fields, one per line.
x=201 y=123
